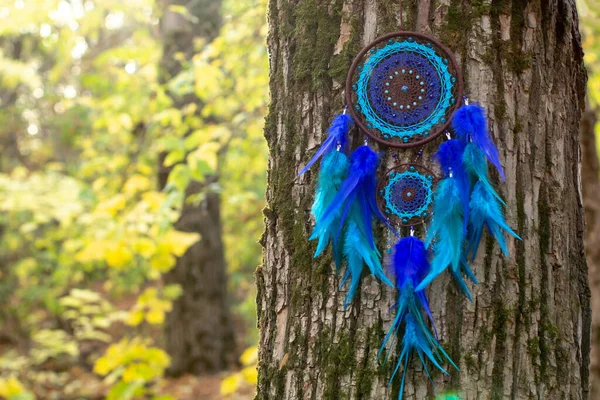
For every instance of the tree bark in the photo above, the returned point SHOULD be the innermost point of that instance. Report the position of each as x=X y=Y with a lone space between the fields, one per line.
x=526 y=335
x=199 y=332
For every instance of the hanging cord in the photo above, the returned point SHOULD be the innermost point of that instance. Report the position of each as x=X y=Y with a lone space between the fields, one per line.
x=419 y=154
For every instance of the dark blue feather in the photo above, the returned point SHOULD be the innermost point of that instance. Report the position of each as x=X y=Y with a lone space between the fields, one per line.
x=485 y=210
x=449 y=155
x=334 y=169
x=470 y=124
x=409 y=265
x=338 y=136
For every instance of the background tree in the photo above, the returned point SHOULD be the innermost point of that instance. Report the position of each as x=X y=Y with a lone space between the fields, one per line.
x=199 y=330
x=527 y=332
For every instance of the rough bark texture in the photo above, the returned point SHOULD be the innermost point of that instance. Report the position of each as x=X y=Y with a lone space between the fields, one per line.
x=590 y=174
x=526 y=335
x=199 y=333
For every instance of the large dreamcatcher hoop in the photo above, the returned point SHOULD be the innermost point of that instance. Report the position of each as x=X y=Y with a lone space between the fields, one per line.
x=403 y=88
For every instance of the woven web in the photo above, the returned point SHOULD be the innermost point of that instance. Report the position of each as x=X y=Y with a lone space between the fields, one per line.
x=408 y=194
x=404 y=89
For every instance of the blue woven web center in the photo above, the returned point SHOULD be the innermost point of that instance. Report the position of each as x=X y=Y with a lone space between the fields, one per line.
x=408 y=194
x=404 y=89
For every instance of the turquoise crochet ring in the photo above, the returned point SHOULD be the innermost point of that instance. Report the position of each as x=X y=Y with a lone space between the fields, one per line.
x=403 y=88
x=406 y=194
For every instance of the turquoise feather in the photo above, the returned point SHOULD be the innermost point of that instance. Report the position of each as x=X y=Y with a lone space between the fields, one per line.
x=417 y=339
x=485 y=210
x=357 y=253
x=460 y=281
x=475 y=164
x=447 y=228
x=334 y=169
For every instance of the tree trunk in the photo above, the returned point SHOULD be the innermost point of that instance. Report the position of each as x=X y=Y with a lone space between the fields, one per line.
x=526 y=335
x=199 y=333
x=590 y=174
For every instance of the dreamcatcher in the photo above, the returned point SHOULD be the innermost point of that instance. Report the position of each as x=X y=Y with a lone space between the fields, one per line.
x=404 y=90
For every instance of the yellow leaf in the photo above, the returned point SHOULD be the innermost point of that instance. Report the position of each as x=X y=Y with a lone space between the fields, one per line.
x=250 y=374
x=119 y=256
x=174 y=157
x=179 y=241
x=135 y=317
x=113 y=205
x=162 y=262
x=249 y=356
x=154 y=200
x=144 y=247
x=137 y=183
x=230 y=384
x=102 y=366
x=93 y=251
x=155 y=317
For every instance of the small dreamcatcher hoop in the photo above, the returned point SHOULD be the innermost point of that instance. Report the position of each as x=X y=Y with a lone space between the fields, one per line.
x=406 y=194
x=403 y=88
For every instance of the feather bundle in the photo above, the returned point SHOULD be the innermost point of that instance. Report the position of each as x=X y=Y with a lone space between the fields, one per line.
x=410 y=264
x=447 y=228
x=470 y=124
x=352 y=209
x=357 y=189
x=419 y=341
x=338 y=136
x=485 y=210
x=334 y=169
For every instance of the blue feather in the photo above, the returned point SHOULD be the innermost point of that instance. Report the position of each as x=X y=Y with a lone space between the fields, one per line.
x=450 y=156
x=419 y=340
x=338 y=136
x=447 y=228
x=409 y=263
x=476 y=167
x=458 y=277
x=485 y=210
x=334 y=169
x=470 y=124
x=357 y=253
x=358 y=188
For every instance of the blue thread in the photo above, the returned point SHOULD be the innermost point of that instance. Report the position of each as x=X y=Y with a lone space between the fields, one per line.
x=399 y=120
x=408 y=194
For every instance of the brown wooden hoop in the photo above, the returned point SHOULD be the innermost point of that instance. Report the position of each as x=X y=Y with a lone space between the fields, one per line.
x=359 y=122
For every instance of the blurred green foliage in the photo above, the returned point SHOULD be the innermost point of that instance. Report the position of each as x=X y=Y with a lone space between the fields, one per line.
x=85 y=232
